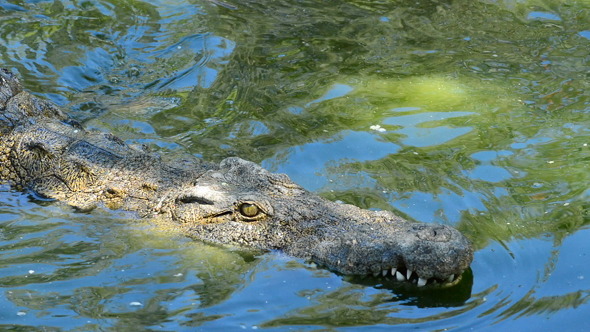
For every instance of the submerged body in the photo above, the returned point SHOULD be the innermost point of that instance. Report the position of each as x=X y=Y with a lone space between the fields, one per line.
x=235 y=202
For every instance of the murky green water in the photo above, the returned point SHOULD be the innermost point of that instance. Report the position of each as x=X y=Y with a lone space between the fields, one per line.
x=469 y=113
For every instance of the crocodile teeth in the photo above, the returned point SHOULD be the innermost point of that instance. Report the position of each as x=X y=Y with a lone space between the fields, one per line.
x=400 y=277
x=451 y=278
x=421 y=282
x=375 y=274
x=384 y=272
x=409 y=274
x=393 y=270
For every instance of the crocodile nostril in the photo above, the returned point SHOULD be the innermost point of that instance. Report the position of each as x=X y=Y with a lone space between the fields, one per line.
x=436 y=233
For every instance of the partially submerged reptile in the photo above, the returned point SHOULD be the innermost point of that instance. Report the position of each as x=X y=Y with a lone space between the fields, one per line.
x=235 y=202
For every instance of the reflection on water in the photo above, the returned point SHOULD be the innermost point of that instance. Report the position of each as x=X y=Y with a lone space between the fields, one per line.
x=469 y=113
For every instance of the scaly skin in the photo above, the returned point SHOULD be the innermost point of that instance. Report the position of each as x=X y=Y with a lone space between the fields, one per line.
x=235 y=202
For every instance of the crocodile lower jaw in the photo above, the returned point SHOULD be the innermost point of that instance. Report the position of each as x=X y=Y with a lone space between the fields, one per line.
x=405 y=275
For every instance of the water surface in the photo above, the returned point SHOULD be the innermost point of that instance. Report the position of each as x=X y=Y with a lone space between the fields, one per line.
x=467 y=113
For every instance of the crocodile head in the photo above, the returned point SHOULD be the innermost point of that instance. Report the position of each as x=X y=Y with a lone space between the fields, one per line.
x=234 y=203
x=240 y=203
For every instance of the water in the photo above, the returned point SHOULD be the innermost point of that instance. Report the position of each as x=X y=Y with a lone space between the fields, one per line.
x=467 y=113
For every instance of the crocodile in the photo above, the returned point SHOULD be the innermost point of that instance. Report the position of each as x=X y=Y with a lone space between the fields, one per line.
x=235 y=202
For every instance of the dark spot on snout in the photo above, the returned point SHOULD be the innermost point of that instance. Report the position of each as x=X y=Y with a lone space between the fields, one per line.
x=435 y=233
x=114 y=139
x=73 y=123
x=115 y=192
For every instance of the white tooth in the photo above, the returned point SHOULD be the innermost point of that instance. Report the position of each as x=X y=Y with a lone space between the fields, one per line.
x=384 y=273
x=421 y=282
x=375 y=274
x=393 y=270
x=409 y=274
x=400 y=277
x=451 y=278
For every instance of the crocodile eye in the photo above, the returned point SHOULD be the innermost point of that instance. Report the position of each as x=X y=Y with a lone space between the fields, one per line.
x=249 y=210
